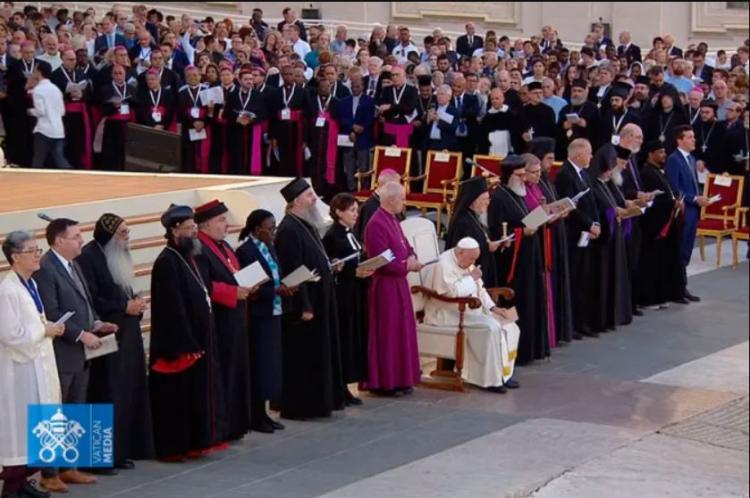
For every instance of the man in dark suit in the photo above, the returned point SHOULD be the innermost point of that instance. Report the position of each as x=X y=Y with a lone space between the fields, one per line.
x=468 y=109
x=442 y=122
x=672 y=51
x=626 y=49
x=468 y=43
x=109 y=38
x=63 y=289
x=700 y=69
x=681 y=170
x=582 y=225
x=356 y=116
x=290 y=17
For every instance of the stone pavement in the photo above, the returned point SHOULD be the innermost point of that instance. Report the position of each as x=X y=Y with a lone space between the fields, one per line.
x=659 y=408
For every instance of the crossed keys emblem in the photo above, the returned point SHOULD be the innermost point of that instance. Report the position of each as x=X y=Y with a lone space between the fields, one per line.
x=58 y=433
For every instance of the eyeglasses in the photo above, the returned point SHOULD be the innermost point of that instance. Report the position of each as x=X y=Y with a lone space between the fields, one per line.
x=36 y=251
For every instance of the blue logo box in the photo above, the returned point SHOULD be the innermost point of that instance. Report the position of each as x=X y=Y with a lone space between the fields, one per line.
x=70 y=436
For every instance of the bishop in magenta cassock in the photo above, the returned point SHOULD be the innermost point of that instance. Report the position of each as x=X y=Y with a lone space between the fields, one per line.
x=393 y=357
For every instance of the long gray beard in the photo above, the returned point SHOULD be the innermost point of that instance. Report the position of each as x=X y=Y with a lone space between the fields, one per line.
x=120 y=264
x=575 y=101
x=519 y=190
x=313 y=217
x=483 y=219
x=617 y=178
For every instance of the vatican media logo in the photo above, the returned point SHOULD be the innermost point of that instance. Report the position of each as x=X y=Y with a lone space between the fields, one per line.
x=70 y=436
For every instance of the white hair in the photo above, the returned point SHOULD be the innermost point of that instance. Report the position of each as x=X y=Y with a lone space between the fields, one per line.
x=120 y=263
x=390 y=191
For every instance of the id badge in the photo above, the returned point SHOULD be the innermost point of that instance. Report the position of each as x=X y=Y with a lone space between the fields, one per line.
x=286 y=114
x=615 y=140
x=195 y=113
x=156 y=116
x=124 y=108
x=320 y=122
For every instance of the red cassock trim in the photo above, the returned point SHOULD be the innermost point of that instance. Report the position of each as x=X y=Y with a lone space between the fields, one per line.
x=175 y=366
x=516 y=249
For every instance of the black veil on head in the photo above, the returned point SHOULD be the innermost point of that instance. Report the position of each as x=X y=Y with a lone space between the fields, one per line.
x=541 y=146
x=604 y=160
x=468 y=192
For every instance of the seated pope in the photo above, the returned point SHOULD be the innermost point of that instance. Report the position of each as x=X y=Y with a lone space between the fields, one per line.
x=491 y=332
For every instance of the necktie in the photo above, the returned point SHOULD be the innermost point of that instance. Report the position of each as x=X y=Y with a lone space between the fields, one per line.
x=471 y=41
x=79 y=284
x=634 y=172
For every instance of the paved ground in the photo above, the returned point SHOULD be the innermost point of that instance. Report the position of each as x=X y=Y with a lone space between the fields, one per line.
x=656 y=409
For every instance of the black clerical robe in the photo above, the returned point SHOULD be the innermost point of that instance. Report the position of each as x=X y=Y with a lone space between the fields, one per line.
x=539 y=120
x=660 y=126
x=195 y=153
x=612 y=123
x=506 y=120
x=560 y=268
x=321 y=135
x=568 y=183
x=186 y=392
x=313 y=384
x=521 y=267
x=157 y=108
x=119 y=378
x=467 y=224
x=611 y=300
x=351 y=299
x=79 y=132
x=230 y=315
x=366 y=210
x=659 y=271
x=404 y=102
x=18 y=124
x=245 y=141
x=632 y=185
x=115 y=120
x=270 y=96
x=287 y=128
x=219 y=154
x=711 y=145
x=591 y=132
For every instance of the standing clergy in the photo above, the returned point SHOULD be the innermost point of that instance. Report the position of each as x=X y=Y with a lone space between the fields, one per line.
x=585 y=123
x=582 y=225
x=659 y=265
x=371 y=205
x=264 y=317
x=398 y=107
x=711 y=151
x=537 y=118
x=351 y=291
x=77 y=92
x=498 y=131
x=185 y=379
x=244 y=111
x=219 y=156
x=312 y=380
x=544 y=149
x=116 y=98
x=230 y=315
x=667 y=116
x=617 y=116
x=119 y=378
x=393 y=357
x=287 y=130
x=193 y=117
x=470 y=220
x=157 y=107
x=521 y=267
x=491 y=349
x=321 y=137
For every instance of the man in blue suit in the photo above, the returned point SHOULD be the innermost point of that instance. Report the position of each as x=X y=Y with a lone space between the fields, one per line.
x=682 y=174
x=109 y=37
x=443 y=122
x=356 y=115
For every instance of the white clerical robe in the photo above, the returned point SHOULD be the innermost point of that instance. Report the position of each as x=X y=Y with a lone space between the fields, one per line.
x=492 y=343
x=28 y=370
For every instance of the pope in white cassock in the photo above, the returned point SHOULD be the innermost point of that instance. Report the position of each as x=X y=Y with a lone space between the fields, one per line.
x=491 y=333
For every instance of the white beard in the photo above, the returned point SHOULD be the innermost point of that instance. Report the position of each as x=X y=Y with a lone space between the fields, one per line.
x=617 y=178
x=313 y=217
x=120 y=264
x=518 y=189
x=483 y=219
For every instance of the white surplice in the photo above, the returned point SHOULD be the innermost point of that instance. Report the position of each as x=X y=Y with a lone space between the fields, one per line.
x=492 y=342
x=28 y=370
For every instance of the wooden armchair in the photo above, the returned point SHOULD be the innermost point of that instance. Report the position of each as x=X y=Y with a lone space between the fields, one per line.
x=445 y=343
x=739 y=233
x=552 y=173
x=491 y=164
x=395 y=158
x=719 y=219
x=442 y=174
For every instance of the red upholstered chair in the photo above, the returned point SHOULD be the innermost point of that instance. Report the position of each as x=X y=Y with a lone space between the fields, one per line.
x=489 y=163
x=441 y=178
x=719 y=219
x=552 y=173
x=395 y=158
x=740 y=233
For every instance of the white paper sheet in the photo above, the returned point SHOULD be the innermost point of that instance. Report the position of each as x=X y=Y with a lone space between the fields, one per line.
x=196 y=135
x=251 y=276
x=109 y=346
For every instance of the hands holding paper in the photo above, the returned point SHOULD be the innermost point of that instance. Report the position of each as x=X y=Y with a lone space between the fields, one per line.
x=413 y=264
x=136 y=306
x=245 y=292
x=285 y=291
x=90 y=340
x=105 y=328
x=595 y=231
x=53 y=329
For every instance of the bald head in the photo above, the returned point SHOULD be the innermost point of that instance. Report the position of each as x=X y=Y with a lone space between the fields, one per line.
x=387 y=176
x=392 y=196
x=579 y=151
x=631 y=137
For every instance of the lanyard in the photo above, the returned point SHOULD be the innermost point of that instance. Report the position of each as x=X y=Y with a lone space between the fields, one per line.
x=31 y=287
x=247 y=100
x=194 y=97
x=322 y=107
x=397 y=99
x=663 y=128
x=616 y=125
x=694 y=116
x=145 y=52
x=158 y=97
x=27 y=68
x=123 y=94
x=73 y=79
x=291 y=94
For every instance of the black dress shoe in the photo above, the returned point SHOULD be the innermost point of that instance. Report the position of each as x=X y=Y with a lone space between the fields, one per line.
x=681 y=300
x=103 y=471
x=512 y=384
x=350 y=399
x=692 y=297
x=497 y=389
x=577 y=337
x=591 y=334
x=31 y=490
x=637 y=312
x=277 y=426
x=263 y=426
x=125 y=464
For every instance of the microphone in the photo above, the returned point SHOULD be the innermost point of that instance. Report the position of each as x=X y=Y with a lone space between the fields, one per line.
x=45 y=217
x=472 y=162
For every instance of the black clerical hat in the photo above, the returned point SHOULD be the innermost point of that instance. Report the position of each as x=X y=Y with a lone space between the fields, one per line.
x=175 y=215
x=710 y=103
x=622 y=152
x=294 y=189
x=510 y=164
x=424 y=80
x=541 y=146
x=579 y=83
x=534 y=85
x=106 y=227
x=652 y=146
x=210 y=210
x=643 y=80
x=621 y=90
x=470 y=189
